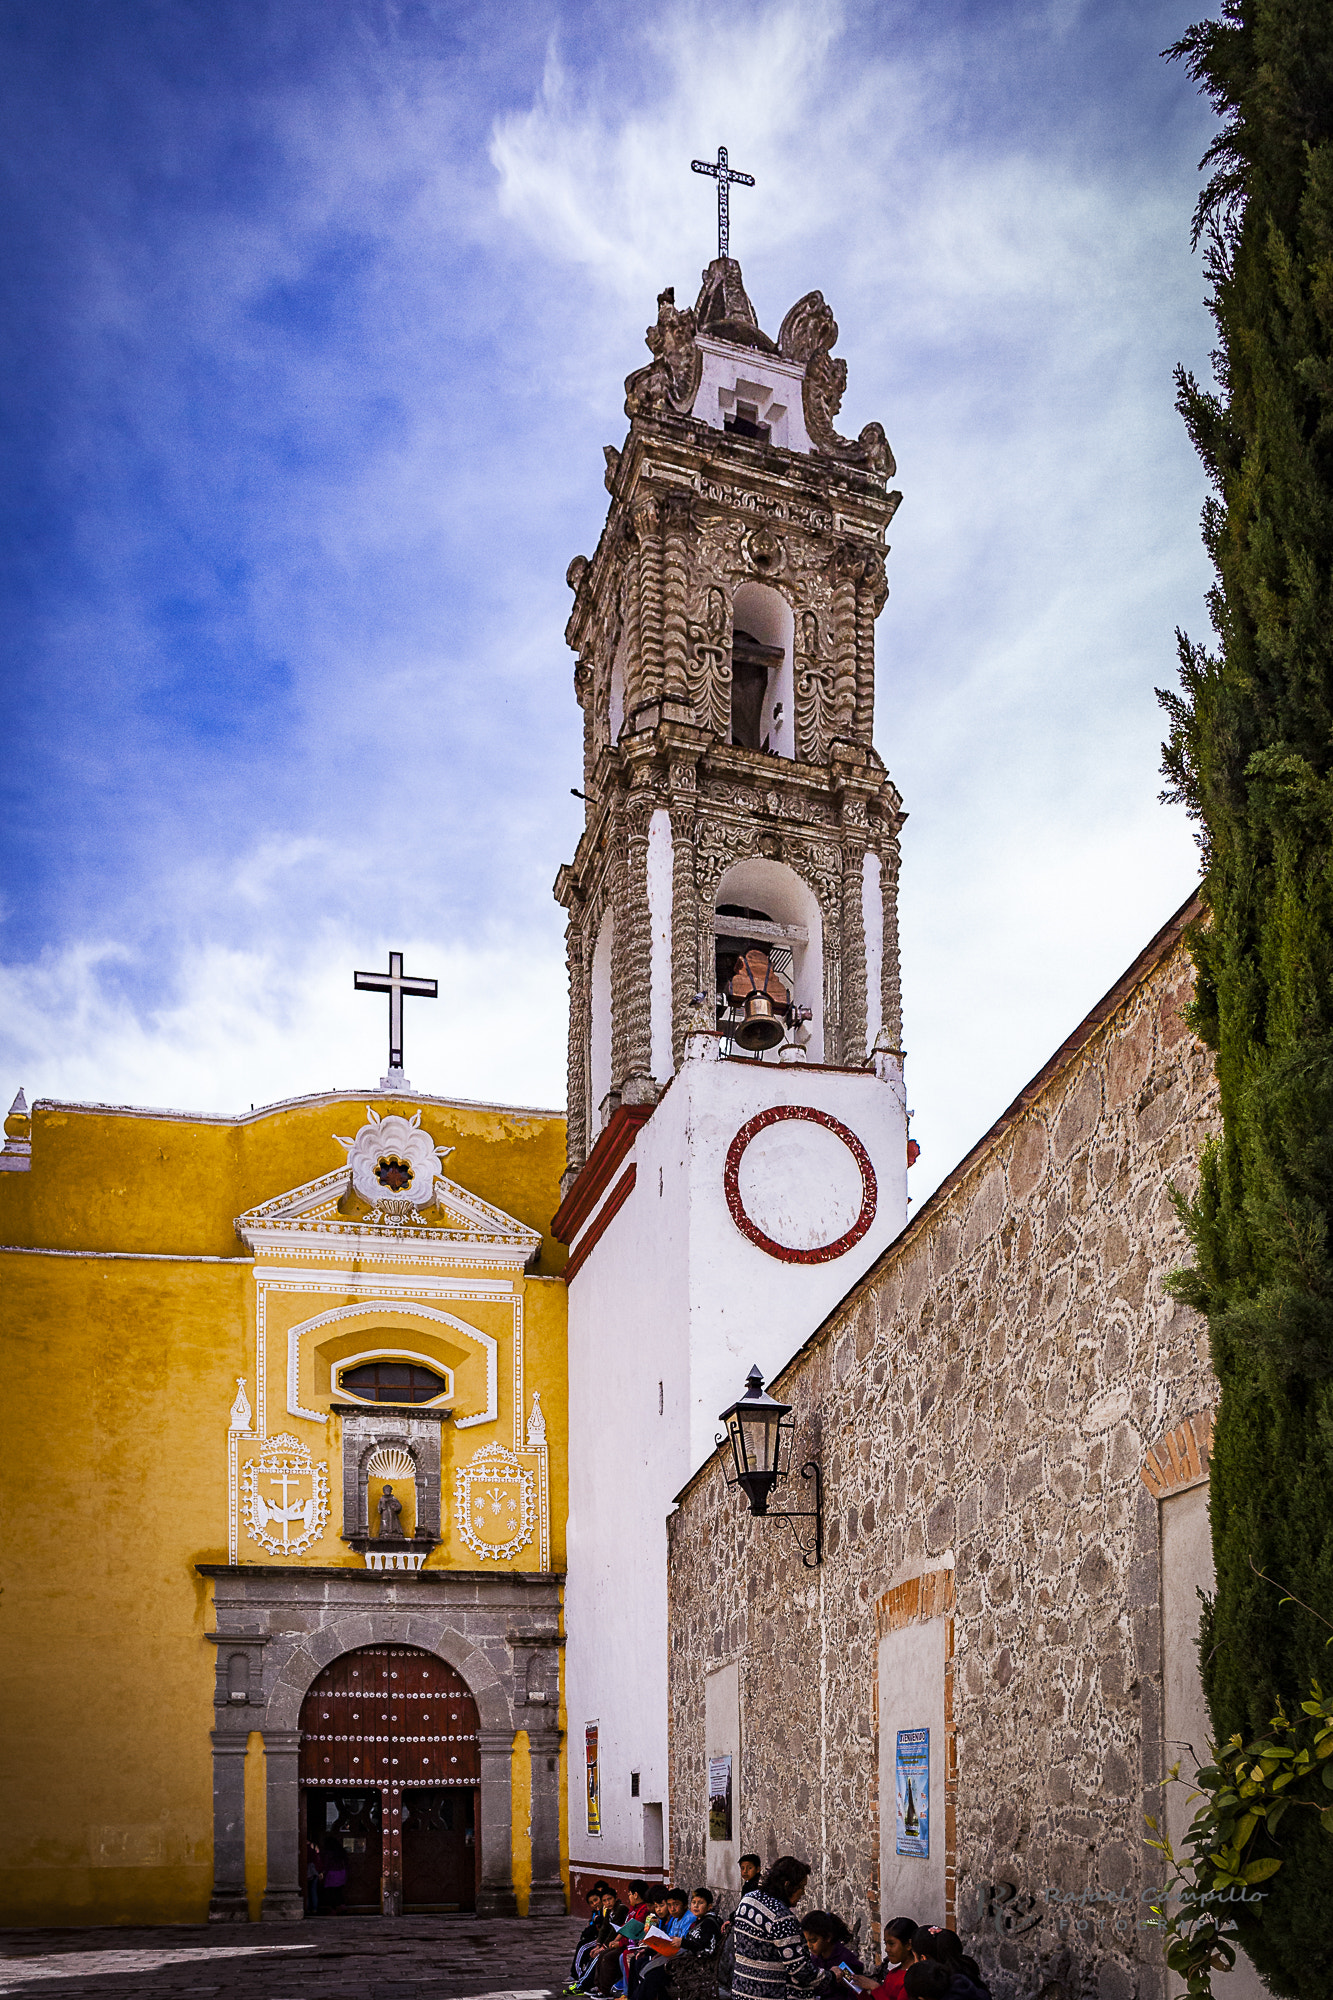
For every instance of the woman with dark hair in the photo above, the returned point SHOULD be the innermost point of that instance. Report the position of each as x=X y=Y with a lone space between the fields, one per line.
x=772 y=1959
x=830 y=1946
x=900 y=1936
x=941 y=1947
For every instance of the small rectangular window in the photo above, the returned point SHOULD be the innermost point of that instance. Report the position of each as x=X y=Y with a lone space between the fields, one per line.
x=634 y=1784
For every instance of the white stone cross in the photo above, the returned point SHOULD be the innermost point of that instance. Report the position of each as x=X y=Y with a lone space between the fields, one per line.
x=724 y=176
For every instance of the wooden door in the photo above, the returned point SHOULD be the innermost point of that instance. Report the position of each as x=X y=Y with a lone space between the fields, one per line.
x=398 y=1720
x=439 y=1849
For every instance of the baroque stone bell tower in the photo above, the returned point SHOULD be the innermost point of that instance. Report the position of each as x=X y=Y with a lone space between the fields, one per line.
x=725 y=634
x=737 y=1130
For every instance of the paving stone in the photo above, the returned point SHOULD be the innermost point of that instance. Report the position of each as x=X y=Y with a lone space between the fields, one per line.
x=332 y=1958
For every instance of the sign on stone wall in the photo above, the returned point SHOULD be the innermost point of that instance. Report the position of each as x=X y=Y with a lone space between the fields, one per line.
x=719 y=1798
x=913 y=1789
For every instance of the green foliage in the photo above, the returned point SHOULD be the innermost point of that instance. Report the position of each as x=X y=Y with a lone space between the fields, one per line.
x=1251 y=754
x=1247 y=1792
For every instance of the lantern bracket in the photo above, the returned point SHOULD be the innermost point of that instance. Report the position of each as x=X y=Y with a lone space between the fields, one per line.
x=810 y=1541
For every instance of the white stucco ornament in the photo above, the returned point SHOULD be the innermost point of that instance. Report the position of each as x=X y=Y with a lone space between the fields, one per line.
x=392 y=1159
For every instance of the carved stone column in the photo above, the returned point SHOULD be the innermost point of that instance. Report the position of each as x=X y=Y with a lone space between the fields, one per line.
x=676 y=520
x=495 y=1892
x=633 y=993
x=647 y=517
x=871 y=593
x=622 y=956
x=227 y=1904
x=853 y=953
x=576 y=1129
x=284 y=1893
x=685 y=918
x=547 y=1897
x=630 y=613
x=848 y=563
x=891 y=977
x=584 y=694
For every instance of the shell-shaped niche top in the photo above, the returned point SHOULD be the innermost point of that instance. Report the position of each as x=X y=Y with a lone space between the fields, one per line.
x=392 y=1159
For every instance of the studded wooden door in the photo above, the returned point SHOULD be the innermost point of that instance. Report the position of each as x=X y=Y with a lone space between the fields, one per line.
x=393 y=1719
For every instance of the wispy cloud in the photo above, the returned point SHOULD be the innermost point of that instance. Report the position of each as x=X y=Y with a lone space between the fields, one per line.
x=330 y=391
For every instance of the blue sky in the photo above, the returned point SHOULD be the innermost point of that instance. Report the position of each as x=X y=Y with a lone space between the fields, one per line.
x=318 y=317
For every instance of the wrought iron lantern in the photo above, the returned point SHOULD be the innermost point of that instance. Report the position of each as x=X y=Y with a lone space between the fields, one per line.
x=758 y=1434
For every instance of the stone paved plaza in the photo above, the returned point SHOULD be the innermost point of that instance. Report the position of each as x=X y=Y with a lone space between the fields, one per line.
x=411 y=1958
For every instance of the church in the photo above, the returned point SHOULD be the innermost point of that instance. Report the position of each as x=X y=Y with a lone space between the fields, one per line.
x=502 y=1499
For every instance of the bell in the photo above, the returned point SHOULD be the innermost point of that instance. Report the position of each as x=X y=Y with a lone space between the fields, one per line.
x=756 y=984
x=761 y=1029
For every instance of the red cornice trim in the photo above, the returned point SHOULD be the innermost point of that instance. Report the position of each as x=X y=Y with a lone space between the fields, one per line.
x=592 y=1235
x=597 y=1170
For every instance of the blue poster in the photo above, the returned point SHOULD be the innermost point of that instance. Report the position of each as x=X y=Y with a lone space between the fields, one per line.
x=913 y=1789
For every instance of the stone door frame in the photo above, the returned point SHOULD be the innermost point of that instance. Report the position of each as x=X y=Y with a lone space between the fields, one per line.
x=276 y=1629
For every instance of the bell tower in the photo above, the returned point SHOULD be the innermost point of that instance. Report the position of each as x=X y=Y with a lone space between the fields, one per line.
x=725 y=634
x=737 y=1141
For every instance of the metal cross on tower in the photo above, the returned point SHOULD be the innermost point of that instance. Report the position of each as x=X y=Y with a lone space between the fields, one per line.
x=395 y=984
x=724 y=176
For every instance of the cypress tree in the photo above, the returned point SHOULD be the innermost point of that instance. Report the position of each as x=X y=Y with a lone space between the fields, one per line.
x=1251 y=754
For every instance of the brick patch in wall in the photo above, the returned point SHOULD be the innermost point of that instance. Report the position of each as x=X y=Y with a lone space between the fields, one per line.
x=1180 y=1457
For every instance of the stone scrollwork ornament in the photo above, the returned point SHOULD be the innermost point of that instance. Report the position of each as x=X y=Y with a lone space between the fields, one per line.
x=671 y=379
x=708 y=664
x=809 y=334
x=763 y=551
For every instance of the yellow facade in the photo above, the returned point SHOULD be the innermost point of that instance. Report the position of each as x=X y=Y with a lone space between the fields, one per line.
x=156 y=1358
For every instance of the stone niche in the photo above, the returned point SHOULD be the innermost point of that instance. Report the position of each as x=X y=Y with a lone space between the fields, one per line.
x=401 y=1449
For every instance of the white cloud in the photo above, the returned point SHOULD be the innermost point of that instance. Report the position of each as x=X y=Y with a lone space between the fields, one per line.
x=253 y=1027
x=1011 y=302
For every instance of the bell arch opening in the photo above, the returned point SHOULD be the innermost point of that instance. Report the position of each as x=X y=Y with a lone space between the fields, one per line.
x=763 y=904
x=763 y=715
x=390 y=1777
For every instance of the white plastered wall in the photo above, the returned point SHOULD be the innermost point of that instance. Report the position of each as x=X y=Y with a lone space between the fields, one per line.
x=599 y=1027
x=722 y=1738
x=665 y=1318
x=766 y=615
x=616 y=702
x=660 y=855
x=1187 y=1568
x=911 y=1696
x=872 y=918
x=734 y=375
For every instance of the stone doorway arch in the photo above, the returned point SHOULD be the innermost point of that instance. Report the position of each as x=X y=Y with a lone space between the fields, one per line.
x=278 y=1629
x=390 y=1779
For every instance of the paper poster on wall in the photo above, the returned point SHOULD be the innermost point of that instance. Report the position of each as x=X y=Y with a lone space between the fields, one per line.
x=594 y=1781
x=913 y=1788
x=719 y=1797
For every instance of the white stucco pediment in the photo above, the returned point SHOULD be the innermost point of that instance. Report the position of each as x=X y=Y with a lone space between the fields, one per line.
x=391 y=1200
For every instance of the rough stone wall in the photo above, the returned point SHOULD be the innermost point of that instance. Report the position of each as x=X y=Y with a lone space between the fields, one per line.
x=984 y=1398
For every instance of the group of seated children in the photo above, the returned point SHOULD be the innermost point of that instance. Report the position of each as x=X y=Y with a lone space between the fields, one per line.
x=921 y=1961
x=627 y=1948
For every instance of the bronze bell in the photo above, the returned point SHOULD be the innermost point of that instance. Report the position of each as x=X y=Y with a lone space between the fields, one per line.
x=755 y=982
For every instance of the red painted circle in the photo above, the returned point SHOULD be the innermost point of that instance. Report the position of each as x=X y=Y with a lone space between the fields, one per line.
x=731 y=1181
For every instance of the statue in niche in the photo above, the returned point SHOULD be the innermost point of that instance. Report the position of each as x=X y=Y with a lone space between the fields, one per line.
x=391 y=1517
